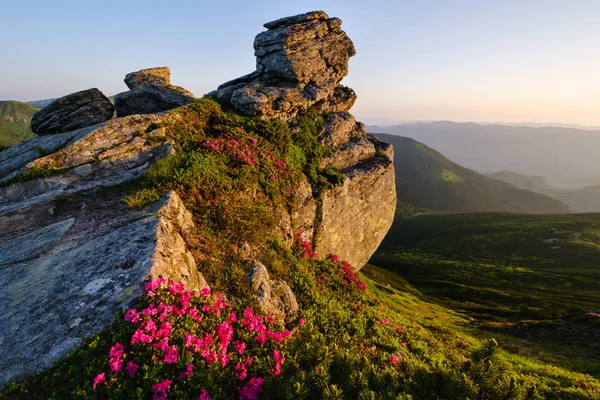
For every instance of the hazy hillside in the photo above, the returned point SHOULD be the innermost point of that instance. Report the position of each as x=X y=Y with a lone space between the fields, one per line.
x=427 y=179
x=14 y=122
x=586 y=199
x=567 y=157
x=522 y=181
x=40 y=103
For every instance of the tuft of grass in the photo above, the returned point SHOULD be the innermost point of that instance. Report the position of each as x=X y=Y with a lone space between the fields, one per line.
x=141 y=199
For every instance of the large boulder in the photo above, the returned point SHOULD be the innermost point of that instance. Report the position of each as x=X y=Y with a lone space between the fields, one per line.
x=159 y=76
x=74 y=111
x=65 y=279
x=147 y=99
x=300 y=61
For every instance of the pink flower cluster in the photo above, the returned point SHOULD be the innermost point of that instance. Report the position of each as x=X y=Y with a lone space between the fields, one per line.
x=160 y=389
x=279 y=360
x=252 y=389
x=351 y=278
x=304 y=245
x=172 y=333
x=242 y=148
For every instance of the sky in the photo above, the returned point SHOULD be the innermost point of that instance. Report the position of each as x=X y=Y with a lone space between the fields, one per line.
x=460 y=60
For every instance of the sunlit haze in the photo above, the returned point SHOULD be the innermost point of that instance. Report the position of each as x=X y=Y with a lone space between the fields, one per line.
x=507 y=61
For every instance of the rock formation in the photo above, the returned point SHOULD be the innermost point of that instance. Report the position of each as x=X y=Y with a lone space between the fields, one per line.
x=151 y=92
x=65 y=278
x=300 y=62
x=77 y=110
x=71 y=257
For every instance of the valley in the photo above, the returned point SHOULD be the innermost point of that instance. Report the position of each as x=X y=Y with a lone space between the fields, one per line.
x=532 y=279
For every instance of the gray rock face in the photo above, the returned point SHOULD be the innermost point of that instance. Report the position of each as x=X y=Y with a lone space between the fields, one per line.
x=151 y=92
x=300 y=61
x=52 y=299
x=356 y=216
x=160 y=76
x=275 y=297
x=147 y=99
x=75 y=111
x=106 y=155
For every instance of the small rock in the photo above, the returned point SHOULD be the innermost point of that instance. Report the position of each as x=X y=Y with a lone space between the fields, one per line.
x=160 y=76
x=75 y=111
x=275 y=298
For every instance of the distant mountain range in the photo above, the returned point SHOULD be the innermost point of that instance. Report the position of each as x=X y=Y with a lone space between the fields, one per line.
x=427 y=179
x=586 y=199
x=568 y=158
x=521 y=181
x=15 y=117
x=40 y=103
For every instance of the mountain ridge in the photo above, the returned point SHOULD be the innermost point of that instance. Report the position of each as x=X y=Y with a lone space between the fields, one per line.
x=427 y=179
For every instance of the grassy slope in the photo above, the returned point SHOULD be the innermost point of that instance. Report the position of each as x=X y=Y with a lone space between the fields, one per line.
x=14 y=122
x=427 y=179
x=504 y=269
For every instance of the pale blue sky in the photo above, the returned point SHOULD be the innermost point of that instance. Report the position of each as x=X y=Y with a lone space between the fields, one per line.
x=464 y=60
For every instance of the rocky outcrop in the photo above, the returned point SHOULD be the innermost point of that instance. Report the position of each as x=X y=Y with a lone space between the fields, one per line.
x=159 y=76
x=85 y=160
x=300 y=61
x=151 y=92
x=274 y=297
x=74 y=111
x=64 y=281
x=70 y=256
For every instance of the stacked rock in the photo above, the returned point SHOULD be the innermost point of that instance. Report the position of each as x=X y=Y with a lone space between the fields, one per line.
x=300 y=62
x=74 y=111
x=151 y=92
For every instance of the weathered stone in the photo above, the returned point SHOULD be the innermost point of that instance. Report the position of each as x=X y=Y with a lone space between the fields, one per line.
x=300 y=61
x=147 y=99
x=358 y=214
x=54 y=300
x=31 y=245
x=342 y=100
x=112 y=153
x=355 y=216
x=75 y=111
x=297 y=19
x=159 y=76
x=275 y=297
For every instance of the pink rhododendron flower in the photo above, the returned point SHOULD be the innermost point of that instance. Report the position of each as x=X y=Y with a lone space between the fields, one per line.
x=99 y=378
x=189 y=372
x=394 y=360
x=205 y=292
x=301 y=321
x=239 y=347
x=155 y=284
x=131 y=368
x=403 y=344
x=160 y=389
x=252 y=389
x=204 y=395
x=115 y=364
x=132 y=316
x=279 y=359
